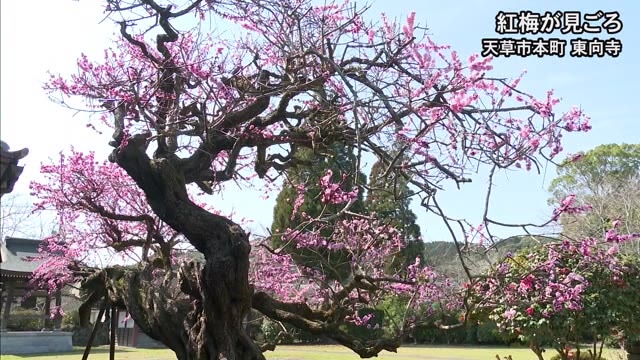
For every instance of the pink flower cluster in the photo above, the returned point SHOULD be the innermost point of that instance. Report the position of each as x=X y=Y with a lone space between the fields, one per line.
x=332 y=193
x=359 y=321
x=546 y=283
x=613 y=236
x=99 y=210
x=300 y=192
x=567 y=207
x=367 y=246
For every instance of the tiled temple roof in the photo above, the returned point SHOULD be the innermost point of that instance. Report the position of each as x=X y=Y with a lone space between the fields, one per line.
x=15 y=253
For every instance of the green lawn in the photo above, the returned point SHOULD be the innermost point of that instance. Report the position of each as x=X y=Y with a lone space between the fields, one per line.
x=331 y=352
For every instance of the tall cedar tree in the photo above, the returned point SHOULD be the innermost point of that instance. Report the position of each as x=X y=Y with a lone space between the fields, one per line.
x=389 y=197
x=341 y=161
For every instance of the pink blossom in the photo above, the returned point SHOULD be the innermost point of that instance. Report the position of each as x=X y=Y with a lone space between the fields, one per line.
x=575 y=157
x=331 y=192
x=509 y=314
x=300 y=190
x=370 y=34
x=359 y=321
x=567 y=206
x=408 y=26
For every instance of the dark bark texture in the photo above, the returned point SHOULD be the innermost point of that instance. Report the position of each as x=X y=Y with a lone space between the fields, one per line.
x=214 y=297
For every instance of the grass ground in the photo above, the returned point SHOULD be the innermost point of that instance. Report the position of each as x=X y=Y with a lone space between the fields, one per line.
x=320 y=352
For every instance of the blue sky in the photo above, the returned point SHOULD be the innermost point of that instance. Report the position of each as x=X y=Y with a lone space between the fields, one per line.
x=51 y=35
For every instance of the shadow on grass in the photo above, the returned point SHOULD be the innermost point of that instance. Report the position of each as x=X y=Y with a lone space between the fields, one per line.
x=77 y=350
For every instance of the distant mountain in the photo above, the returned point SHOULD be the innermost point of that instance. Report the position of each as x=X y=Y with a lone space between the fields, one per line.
x=443 y=255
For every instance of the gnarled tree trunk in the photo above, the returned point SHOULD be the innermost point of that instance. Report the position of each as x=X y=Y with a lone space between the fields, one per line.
x=205 y=321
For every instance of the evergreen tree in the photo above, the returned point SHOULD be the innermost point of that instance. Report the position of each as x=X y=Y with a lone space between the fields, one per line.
x=389 y=197
x=341 y=161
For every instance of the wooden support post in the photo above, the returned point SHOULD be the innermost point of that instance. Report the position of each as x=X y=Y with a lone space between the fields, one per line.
x=114 y=328
x=57 y=320
x=47 y=311
x=87 y=349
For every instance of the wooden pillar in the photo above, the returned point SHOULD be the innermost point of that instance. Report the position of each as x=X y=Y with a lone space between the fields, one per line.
x=7 y=305
x=57 y=320
x=96 y=326
x=114 y=328
x=47 y=311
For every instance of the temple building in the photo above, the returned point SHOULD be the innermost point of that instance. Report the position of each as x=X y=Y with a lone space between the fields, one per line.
x=21 y=306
